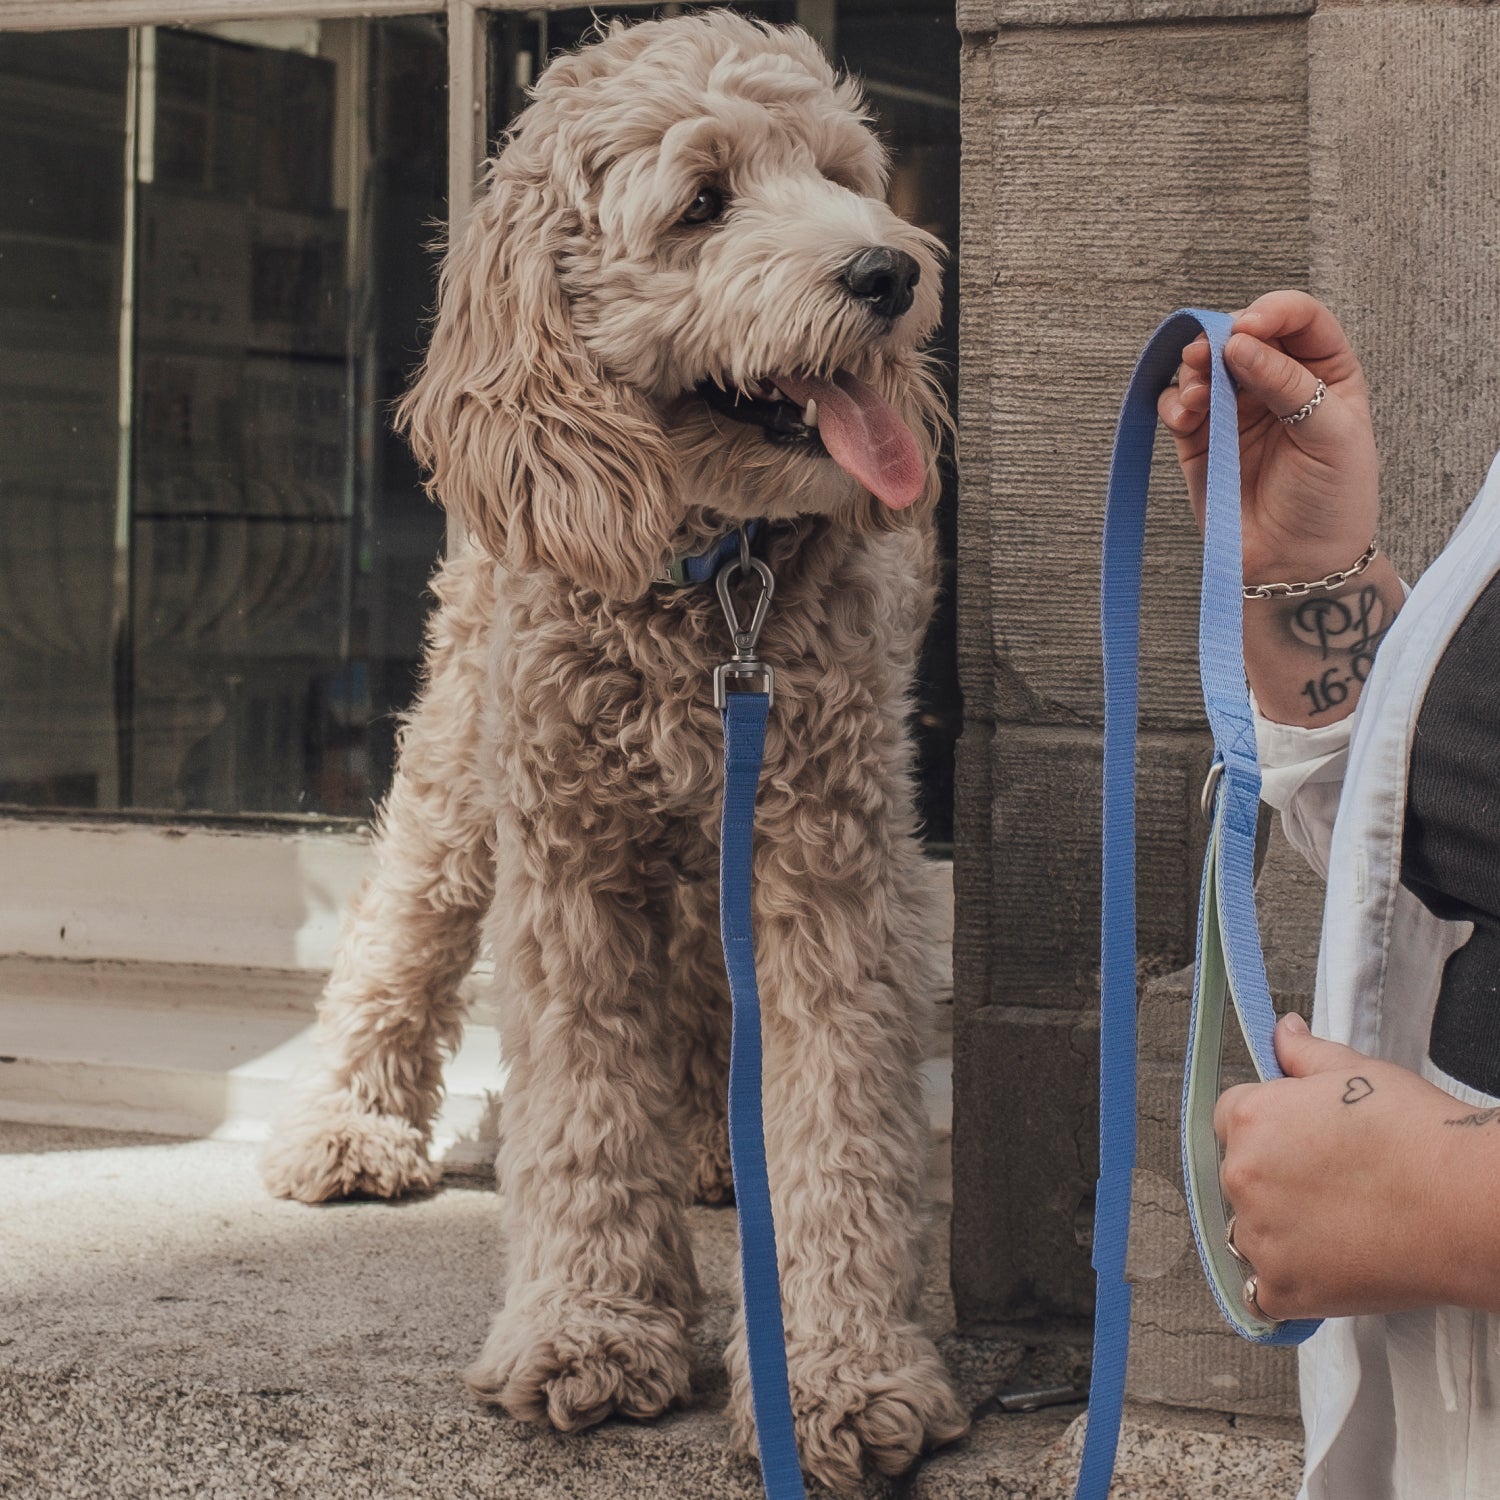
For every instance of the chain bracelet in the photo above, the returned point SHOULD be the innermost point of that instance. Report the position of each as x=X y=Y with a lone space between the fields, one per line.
x=1300 y=590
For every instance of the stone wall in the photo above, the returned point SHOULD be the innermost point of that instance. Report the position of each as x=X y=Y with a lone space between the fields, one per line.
x=1122 y=158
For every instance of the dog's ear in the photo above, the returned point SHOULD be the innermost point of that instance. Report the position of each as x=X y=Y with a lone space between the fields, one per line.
x=547 y=460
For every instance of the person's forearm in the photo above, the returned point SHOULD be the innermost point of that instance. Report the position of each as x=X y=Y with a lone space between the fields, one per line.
x=1307 y=658
x=1472 y=1176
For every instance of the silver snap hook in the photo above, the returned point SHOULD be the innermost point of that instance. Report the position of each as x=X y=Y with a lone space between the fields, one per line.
x=745 y=637
x=743 y=673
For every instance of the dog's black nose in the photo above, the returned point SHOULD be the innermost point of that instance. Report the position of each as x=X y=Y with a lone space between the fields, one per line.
x=883 y=278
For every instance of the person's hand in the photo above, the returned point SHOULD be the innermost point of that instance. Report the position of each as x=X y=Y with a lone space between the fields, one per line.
x=1352 y=1182
x=1310 y=491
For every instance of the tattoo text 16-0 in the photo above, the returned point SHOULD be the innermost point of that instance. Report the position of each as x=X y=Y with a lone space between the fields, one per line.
x=1346 y=632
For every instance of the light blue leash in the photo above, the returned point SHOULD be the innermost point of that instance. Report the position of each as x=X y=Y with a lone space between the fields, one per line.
x=743 y=691
x=1229 y=968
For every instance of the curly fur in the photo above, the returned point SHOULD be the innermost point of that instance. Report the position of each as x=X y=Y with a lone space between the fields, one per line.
x=559 y=778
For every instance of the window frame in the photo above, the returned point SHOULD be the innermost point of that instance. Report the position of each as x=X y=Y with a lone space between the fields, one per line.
x=57 y=867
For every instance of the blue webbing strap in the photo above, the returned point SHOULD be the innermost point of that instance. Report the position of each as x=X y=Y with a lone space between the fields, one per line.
x=744 y=748
x=701 y=566
x=1228 y=909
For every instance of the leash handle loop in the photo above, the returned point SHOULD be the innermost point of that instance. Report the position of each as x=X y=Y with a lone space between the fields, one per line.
x=1230 y=968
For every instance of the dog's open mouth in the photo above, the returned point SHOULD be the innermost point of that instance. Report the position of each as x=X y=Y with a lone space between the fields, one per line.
x=845 y=418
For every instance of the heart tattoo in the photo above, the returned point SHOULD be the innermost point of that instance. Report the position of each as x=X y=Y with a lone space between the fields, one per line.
x=1356 y=1089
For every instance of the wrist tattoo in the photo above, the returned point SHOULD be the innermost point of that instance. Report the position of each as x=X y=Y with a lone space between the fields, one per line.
x=1346 y=632
x=1481 y=1117
x=1359 y=1087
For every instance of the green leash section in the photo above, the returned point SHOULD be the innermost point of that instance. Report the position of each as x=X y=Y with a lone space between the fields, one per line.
x=1202 y=1085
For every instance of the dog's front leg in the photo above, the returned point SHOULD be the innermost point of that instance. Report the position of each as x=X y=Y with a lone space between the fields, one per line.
x=391 y=1012
x=845 y=928
x=600 y=1278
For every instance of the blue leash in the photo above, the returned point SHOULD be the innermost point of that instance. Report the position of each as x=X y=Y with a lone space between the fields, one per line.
x=743 y=690
x=1230 y=970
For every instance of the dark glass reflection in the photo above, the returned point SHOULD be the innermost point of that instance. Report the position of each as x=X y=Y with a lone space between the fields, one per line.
x=214 y=605
x=280 y=544
x=62 y=165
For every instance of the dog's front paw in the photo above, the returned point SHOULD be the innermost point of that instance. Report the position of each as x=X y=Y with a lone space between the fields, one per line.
x=329 y=1146
x=856 y=1409
x=572 y=1358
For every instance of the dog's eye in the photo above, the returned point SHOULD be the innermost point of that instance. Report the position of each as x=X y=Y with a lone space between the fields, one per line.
x=706 y=207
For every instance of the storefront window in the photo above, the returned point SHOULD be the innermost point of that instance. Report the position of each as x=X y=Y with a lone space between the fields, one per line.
x=213 y=553
x=62 y=215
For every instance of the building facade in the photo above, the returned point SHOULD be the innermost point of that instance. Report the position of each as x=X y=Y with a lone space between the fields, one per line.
x=212 y=557
x=1121 y=160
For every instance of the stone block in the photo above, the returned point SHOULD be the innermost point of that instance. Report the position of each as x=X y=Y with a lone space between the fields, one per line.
x=1289 y=904
x=988 y=15
x=1129 y=170
x=1025 y=1157
x=1403 y=120
x=974 y=929
x=1182 y=1352
x=977 y=253
x=1044 y=937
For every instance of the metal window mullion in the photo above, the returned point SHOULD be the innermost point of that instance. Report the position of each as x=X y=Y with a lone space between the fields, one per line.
x=140 y=102
x=468 y=130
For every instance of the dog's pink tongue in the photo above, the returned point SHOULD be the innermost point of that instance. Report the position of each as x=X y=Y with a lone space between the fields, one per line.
x=863 y=435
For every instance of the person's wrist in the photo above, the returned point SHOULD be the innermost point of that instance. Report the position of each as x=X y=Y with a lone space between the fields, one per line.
x=1299 y=582
x=1312 y=534
x=1464 y=1242
x=1308 y=563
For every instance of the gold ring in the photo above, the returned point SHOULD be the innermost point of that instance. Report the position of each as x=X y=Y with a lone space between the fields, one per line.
x=1234 y=1249
x=1251 y=1295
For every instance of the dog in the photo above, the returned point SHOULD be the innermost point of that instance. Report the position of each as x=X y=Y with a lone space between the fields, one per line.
x=679 y=304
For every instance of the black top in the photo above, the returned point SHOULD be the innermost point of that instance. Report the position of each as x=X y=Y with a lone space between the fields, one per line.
x=1450 y=856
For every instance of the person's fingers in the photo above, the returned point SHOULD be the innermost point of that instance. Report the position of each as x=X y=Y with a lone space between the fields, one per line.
x=1270 y=1299
x=1300 y=324
x=1231 y=1110
x=1180 y=419
x=1281 y=382
x=1169 y=409
x=1302 y=1054
x=1194 y=390
x=1197 y=353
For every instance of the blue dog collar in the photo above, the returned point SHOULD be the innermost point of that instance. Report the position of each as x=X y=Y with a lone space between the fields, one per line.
x=691 y=568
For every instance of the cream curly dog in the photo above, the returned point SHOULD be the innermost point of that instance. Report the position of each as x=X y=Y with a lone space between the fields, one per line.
x=680 y=301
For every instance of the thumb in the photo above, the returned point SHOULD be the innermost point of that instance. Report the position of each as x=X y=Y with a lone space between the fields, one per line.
x=1302 y=1054
x=1269 y=375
